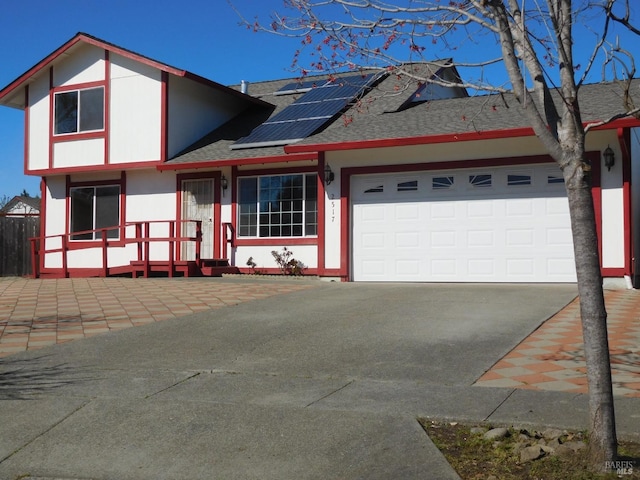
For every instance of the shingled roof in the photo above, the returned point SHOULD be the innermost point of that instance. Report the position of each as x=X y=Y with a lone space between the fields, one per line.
x=384 y=113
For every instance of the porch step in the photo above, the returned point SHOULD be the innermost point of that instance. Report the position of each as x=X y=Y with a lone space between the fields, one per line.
x=216 y=267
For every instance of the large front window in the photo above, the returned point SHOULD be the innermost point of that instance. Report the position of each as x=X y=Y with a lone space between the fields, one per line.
x=79 y=111
x=95 y=208
x=278 y=206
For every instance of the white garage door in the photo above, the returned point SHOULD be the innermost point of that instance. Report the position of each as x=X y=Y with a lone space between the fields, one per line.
x=491 y=225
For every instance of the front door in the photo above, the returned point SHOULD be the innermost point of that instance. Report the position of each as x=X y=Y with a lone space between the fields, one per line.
x=197 y=204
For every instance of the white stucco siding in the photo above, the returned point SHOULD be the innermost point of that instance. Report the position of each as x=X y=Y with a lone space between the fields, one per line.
x=612 y=197
x=135 y=112
x=78 y=153
x=39 y=125
x=333 y=220
x=55 y=222
x=85 y=64
x=151 y=196
x=195 y=110
x=635 y=196
x=307 y=254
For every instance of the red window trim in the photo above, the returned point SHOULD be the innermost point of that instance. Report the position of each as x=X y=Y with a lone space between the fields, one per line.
x=81 y=244
x=285 y=241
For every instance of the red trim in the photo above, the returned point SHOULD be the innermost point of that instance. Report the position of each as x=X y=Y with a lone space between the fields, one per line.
x=624 y=139
x=596 y=193
x=239 y=161
x=79 y=86
x=83 y=37
x=27 y=111
x=440 y=138
x=345 y=222
x=71 y=137
x=51 y=119
x=65 y=137
x=81 y=244
x=234 y=201
x=420 y=140
x=164 y=117
x=43 y=219
x=321 y=199
x=613 y=272
x=332 y=272
x=94 y=168
x=217 y=215
x=276 y=241
x=107 y=106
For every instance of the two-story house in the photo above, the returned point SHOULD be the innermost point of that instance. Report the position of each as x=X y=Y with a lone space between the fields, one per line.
x=363 y=176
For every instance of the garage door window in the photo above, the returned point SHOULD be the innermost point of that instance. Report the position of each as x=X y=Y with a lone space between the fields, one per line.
x=278 y=206
x=514 y=180
x=554 y=179
x=442 y=183
x=410 y=186
x=481 y=181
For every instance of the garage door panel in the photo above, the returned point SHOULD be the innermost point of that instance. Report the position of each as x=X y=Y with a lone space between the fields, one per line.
x=446 y=229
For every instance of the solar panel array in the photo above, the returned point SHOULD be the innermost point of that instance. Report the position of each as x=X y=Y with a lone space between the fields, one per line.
x=307 y=114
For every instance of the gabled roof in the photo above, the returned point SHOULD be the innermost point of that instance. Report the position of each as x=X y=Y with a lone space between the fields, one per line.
x=391 y=94
x=385 y=117
x=455 y=119
x=11 y=95
x=31 y=202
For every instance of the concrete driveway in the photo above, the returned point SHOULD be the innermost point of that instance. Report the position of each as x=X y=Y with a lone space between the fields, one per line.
x=324 y=382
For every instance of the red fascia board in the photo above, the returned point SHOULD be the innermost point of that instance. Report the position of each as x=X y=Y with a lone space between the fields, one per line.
x=83 y=37
x=626 y=122
x=420 y=140
x=92 y=168
x=312 y=156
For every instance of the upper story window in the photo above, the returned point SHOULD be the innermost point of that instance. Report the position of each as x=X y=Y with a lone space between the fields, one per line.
x=79 y=111
x=278 y=206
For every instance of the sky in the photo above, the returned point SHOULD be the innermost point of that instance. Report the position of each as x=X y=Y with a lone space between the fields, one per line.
x=201 y=36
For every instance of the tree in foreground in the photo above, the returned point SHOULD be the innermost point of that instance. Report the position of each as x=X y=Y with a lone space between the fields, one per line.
x=533 y=42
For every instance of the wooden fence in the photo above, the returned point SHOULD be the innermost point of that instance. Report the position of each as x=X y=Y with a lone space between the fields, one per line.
x=15 y=250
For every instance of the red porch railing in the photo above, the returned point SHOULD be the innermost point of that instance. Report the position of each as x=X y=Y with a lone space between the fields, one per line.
x=228 y=238
x=143 y=239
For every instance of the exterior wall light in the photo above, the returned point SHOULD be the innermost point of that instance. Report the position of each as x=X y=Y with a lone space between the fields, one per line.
x=328 y=175
x=223 y=181
x=609 y=158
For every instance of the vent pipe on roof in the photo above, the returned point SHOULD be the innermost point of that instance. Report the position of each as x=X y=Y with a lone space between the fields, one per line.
x=244 y=86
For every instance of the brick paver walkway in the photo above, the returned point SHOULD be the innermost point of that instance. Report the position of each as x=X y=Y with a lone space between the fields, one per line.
x=552 y=357
x=38 y=313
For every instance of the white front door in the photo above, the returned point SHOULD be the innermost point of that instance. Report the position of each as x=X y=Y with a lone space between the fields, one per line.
x=506 y=224
x=197 y=204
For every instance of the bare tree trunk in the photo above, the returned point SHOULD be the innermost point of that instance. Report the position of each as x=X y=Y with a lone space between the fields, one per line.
x=602 y=428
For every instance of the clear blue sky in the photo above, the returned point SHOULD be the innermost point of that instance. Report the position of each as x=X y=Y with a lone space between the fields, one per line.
x=201 y=36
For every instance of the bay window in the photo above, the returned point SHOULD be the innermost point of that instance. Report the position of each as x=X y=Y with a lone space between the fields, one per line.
x=278 y=206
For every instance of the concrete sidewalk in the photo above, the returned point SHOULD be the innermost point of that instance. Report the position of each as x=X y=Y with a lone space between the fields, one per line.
x=314 y=381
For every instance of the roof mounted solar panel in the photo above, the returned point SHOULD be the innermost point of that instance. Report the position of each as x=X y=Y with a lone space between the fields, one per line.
x=300 y=87
x=307 y=114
